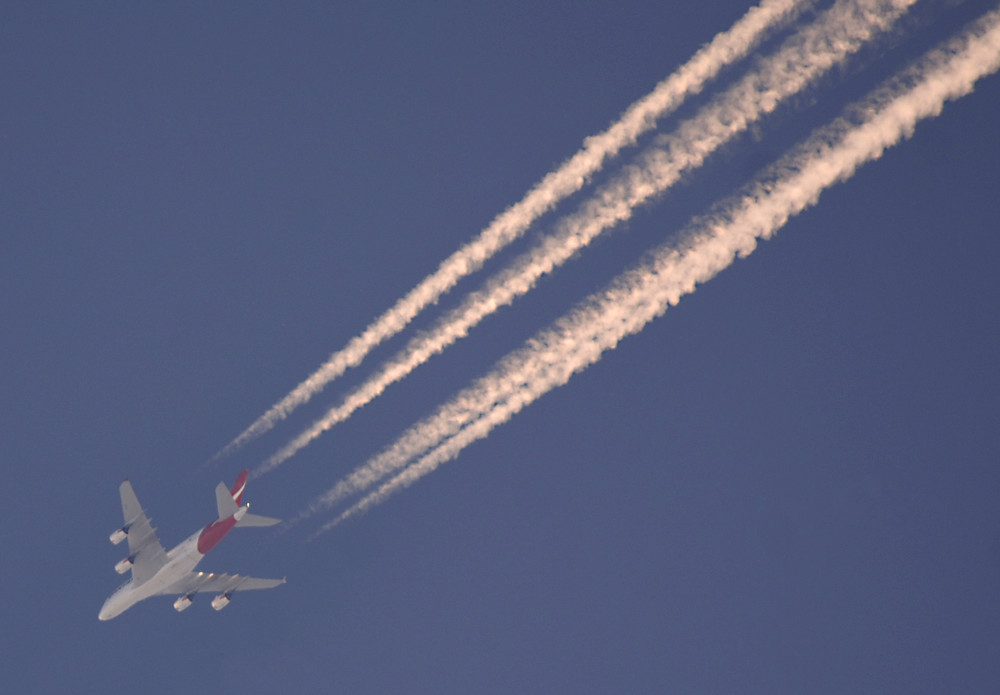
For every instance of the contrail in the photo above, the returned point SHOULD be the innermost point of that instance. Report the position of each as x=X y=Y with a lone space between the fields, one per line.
x=640 y=295
x=727 y=47
x=803 y=58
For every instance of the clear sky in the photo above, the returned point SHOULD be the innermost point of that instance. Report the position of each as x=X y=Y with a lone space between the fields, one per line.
x=788 y=483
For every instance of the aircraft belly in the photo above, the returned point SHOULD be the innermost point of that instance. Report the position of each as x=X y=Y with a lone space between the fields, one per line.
x=185 y=557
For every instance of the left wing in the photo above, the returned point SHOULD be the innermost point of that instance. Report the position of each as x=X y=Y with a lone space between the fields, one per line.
x=144 y=547
x=196 y=582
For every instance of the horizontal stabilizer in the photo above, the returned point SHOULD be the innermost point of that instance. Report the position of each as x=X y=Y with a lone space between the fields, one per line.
x=224 y=501
x=257 y=520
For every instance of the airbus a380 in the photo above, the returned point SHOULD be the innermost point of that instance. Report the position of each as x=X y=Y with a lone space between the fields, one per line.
x=156 y=572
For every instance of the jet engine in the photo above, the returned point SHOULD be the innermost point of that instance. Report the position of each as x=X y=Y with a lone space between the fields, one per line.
x=124 y=565
x=221 y=601
x=182 y=603
x=119 y=535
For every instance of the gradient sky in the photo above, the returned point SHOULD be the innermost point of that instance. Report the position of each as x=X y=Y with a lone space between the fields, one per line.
x=788 y=483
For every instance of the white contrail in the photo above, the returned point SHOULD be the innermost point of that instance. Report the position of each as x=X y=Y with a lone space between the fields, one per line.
x=803 y=58
x=579 y=339
x=727 y=47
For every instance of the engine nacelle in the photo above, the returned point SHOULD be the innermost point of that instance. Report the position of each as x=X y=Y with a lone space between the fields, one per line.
x=124 y=566
x=119 y=535
x=220 y=601
x=182 y=603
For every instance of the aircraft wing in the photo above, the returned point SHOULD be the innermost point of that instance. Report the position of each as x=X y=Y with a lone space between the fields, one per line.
x=196 y=582
x=144 y=547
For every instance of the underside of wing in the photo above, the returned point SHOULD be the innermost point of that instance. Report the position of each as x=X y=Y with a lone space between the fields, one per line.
x=196 y=582
x=144 y=548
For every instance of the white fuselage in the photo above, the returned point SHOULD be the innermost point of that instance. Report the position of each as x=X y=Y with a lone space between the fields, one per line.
x=180 y=561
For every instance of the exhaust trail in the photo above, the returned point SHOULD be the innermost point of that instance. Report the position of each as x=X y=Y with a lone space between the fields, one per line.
x=712 y=244
x=803 y=58
x=726 y=48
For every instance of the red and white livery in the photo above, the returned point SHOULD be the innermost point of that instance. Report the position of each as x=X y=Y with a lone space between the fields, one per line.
x=156 y=572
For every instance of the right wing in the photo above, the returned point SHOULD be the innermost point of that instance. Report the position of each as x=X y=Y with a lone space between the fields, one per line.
x=195 y=582
x=144 y=547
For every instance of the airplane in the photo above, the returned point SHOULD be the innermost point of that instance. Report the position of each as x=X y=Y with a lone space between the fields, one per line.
x=156 y=572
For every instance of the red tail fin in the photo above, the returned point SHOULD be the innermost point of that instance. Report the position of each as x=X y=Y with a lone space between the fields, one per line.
x=238 y=487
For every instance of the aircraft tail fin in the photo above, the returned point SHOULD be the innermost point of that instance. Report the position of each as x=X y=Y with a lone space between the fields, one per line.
x=238 y=488
x=230 y=501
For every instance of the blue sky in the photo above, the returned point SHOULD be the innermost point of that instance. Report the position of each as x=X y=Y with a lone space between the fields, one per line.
x=788 y=483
